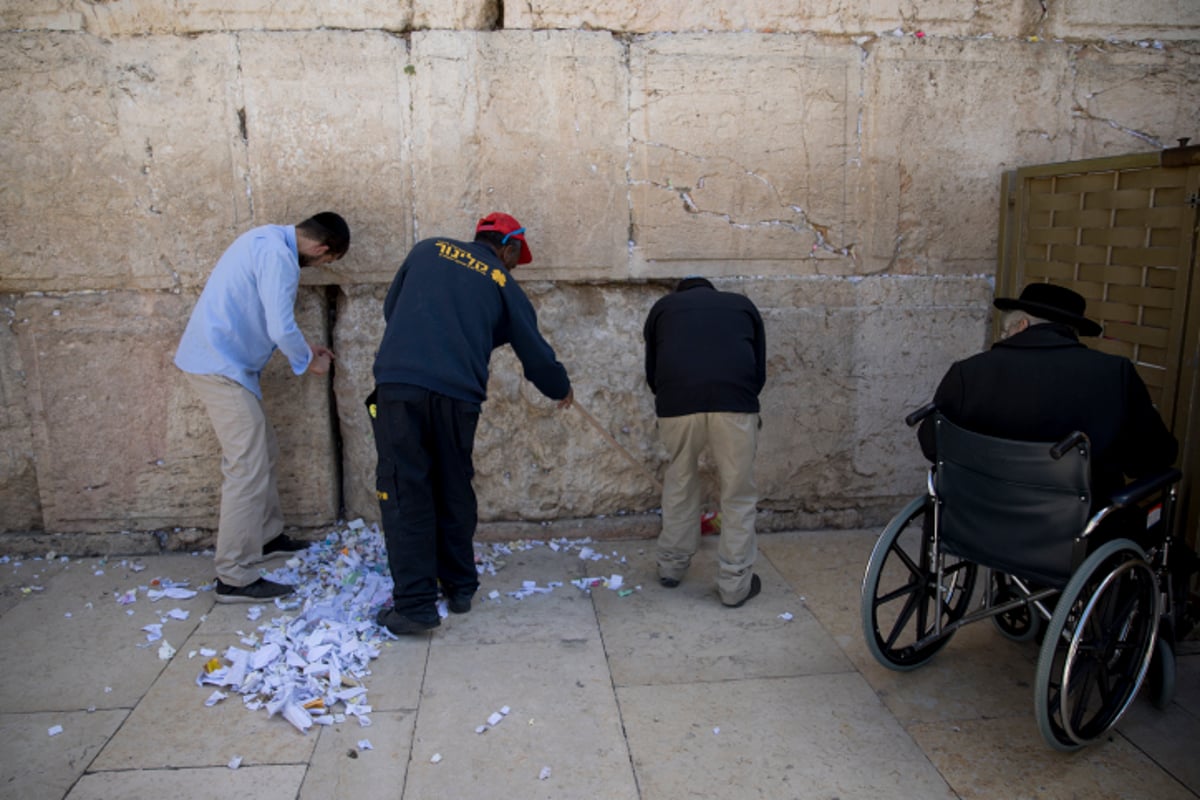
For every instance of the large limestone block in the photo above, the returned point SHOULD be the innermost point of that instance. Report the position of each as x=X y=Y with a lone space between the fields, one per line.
x=907 y=332
x=37 y=15
x=113 y=18
x=807 y=403
x=745 y=155
x=20 y=507
x=356 y=337
x=532 y=123
x=847 y=360
x=532 y=460
x=331 y=133
x=122 y=162
x=1127 y=99
x=947 y=17
x=1145 y=19
x=120 y=438
x=943 y=121
x=480 y=15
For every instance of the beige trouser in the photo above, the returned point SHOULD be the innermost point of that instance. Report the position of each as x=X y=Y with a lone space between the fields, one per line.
x=250 y=511
x=732 y=439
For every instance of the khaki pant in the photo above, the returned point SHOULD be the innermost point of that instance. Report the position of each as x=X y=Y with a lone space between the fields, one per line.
x=250 y=511
x=733 y=440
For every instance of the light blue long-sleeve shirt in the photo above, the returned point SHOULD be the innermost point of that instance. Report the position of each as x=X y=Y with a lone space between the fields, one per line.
x=246 y=310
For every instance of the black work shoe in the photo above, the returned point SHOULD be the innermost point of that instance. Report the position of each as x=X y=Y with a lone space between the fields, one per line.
x=262 y=589
x=459 y=604
x=755 y=588
x=401 y=625
x=283 y=544
x=670 y=583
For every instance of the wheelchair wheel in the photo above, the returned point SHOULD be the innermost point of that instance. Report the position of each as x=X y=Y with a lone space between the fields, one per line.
x=1097 y=647
x=900 y=601
x=1021 y=624
x=1161 y=679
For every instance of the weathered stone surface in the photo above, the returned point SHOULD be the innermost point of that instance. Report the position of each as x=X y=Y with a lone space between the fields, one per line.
x=532 y=461
x=948 y=17
x=124 y=160
x=845 y=176
x=121 y=441
x=1149 y=19
x=356 y=337
x=331 y=133
x=1128 y=99
x=943 y=122
x=712 y=195
x=80 y=543
x=20 y=507
x=1146 y=19
x=536 y=462
x=532 y=123
x=112 y=18
x=846 y=362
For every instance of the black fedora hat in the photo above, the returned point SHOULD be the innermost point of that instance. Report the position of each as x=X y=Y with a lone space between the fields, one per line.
x=1053 y=303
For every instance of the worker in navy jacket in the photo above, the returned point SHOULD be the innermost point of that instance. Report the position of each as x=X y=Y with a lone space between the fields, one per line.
x=706 y=364
x=451 y=303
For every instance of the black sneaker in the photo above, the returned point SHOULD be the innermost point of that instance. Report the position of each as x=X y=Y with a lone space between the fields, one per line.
x=262 y=589
x=283 y=544
x=670 y=583
x=755 y=588
x=401 y=625
x=458 y=604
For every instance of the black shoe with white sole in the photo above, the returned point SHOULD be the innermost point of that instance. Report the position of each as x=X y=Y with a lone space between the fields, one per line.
x=257 y=592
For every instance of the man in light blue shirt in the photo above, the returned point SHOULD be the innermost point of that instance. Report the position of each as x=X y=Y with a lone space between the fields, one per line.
x=243 y=315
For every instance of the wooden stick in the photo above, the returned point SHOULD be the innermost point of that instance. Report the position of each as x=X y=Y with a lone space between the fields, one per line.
x=629 y=456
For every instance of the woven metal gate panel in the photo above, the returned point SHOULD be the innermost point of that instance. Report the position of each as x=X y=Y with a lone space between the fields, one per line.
x=1121 y=232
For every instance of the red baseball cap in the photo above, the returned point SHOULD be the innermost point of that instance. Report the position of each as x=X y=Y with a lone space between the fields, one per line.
x=508 y=225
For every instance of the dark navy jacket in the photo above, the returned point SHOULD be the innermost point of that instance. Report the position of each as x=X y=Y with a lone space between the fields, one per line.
x=706 y=351
x=1042 y=385
x=449 y=306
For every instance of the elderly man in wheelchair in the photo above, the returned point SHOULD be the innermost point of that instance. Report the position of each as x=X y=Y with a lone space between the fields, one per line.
x=1031 y=443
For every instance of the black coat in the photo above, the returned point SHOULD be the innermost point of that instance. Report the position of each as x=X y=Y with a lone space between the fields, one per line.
x=706 y=351
x=1043 y=384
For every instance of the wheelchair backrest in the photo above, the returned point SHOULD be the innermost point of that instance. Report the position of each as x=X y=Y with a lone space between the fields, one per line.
x=1010 y=505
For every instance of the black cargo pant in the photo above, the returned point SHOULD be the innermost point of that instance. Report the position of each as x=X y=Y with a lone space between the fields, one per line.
x=424 y=441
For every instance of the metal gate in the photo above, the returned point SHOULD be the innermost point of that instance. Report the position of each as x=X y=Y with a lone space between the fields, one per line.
x=1122 y=232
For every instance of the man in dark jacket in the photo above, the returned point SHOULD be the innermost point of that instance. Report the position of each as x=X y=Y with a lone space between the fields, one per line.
x=1039 y=383
x=706 y=364
x=450 y=305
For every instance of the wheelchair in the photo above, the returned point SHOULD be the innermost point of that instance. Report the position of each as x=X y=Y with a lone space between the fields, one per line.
x=1020 y=511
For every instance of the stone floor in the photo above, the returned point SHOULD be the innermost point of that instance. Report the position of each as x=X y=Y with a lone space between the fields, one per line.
x=656 y=694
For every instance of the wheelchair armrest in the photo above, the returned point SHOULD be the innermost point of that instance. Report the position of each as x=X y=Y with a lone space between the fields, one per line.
x=920 y=414
x=1143 y=488
x=1059 y=450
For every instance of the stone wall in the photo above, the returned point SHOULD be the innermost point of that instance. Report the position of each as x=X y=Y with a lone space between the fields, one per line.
x=839 y=163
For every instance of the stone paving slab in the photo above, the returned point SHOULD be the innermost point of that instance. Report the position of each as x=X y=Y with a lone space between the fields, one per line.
x=684 y=635
x=171 y=728
x=946 y=687
x=620 y=694
x=562 y=715
x=987 y=758
x=92 y=657
x=261 y=783
x=36 y=764
x=814 y=736
x=339 y=768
